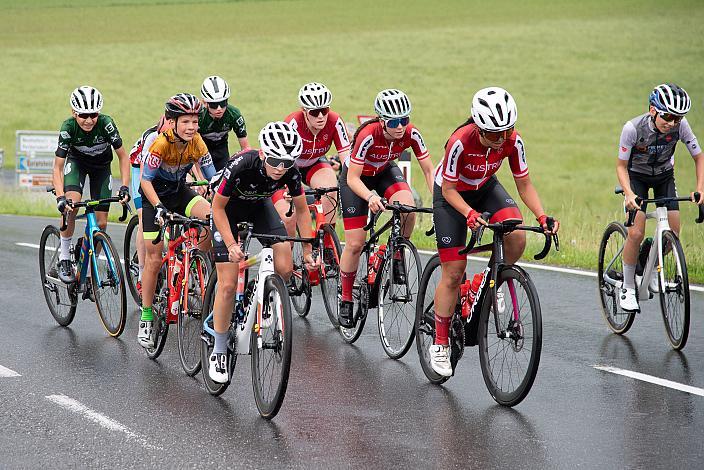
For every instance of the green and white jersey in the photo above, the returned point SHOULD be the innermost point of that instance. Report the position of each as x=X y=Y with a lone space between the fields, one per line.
x=215 y=131
x=91 y=149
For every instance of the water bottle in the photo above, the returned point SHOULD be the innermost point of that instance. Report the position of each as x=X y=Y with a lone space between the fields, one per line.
x=375 y=262
x=643 y=255
x=468 y=292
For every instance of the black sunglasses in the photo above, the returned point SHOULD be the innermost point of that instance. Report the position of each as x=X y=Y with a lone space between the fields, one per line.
x=669 y=117
x=276 y=162
x=318 y=112
x=88 y=115
x=219 y=104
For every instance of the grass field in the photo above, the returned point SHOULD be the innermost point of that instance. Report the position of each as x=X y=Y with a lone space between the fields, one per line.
x=578 y=71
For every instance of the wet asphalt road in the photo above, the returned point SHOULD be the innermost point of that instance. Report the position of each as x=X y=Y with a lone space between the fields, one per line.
x=346 y=406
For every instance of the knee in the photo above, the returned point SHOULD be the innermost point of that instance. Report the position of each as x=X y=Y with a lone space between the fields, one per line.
x=635 y=234
x=453 y=277
x=226 y=288
x=354 y=246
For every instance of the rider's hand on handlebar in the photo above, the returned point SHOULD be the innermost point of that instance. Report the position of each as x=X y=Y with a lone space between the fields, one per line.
x=375 y=204
x=631 y=203
x=161 y=214
x=701 y=198
x=62 y=204
x=124 y=194
x=311 y=264
x=474 y=220
x=235 y=252
x=543 y=221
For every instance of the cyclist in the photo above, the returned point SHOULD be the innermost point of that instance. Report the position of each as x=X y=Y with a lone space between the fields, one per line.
x=139 y=151
x=319 y=128
x=244 y=195
x=465 y=187
x=163 y=189
x=645 y=161
x=218 y=118
x=370 y=168
x=84 y=150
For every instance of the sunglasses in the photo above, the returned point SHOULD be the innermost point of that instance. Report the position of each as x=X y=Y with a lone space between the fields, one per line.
x=394 y=123
x=276 y=162
x=496 y=136
x=668 y=117
x=318 y=112
x=88 y=115
x=219 y=104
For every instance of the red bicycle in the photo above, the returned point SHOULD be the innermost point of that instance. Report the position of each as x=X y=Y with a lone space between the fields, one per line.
x=329 y=272
x=180 y=289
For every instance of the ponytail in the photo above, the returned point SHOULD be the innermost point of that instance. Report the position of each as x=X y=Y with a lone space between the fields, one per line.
x=469 y=121
x=364 y=124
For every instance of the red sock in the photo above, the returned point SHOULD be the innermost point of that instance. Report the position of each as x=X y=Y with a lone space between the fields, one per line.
x=442 y=330
x=347 y=284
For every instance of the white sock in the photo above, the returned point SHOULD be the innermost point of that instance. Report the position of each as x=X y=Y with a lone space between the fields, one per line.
x=629 y=276
x=65 y=252
x=141 y=270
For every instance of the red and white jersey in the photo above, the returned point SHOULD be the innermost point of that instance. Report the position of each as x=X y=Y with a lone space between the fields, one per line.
x=469 y=164
x=375 y=152
x=316 y=146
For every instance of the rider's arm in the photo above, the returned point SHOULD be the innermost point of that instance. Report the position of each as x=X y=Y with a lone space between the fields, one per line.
x=150 y=166
x=57 y=176
x=699 y=165
x=354 y=181
x=244 y=143
x=453 y=197
x=124 y=159
x=626 y=143
x=690 y=140
x=303 y=220
x=220 y=219
x=529 y=195
x=426 y=165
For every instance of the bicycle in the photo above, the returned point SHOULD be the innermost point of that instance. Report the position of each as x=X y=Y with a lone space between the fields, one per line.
x=389 y=283
x=260 y=324
x=130 y=251
x=664 y=258
x=93 y=251
x=180 y=287
x=328 y=273
x=505 y=292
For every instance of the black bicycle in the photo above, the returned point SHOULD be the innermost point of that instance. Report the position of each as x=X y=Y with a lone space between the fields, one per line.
x=504 y=319
x=388 y=278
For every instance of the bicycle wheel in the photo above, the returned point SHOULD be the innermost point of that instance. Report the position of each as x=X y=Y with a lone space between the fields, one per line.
x=510 y=337
x=330 y=273
x=360 y=297
x=271 y=349
x=131 y=259
x=190 y=318
x=674 y=295
x=425 y=317
x=299 y=277
x=611 y=268
x=160 y=306
x=60 y=297
x=108 y=281
x=398 y=293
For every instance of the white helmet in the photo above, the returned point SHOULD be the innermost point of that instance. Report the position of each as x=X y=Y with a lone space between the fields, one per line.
x=86 y=99
x=392 y=104
x=494 y=110
x=278 y=139
x=314 y=96
x=214 y=89
x=669 y=98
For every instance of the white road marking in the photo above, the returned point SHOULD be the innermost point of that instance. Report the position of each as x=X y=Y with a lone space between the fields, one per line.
x=652 y=379
x=5 y=372
x=99 y=418
x=36 y=247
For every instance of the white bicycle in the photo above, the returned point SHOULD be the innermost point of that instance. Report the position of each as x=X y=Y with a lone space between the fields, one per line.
x=662 y=257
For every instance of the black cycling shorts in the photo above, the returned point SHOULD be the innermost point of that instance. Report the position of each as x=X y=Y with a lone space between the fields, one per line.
x=451 y=226
x=663 y=185
x=100 y=179
x=260 y=213
x=355 y=209
x=220 y=153
x=181 y=203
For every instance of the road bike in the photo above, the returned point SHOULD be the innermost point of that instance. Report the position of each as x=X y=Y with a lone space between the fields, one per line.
x=260 y=325
x=99 y=275
x=180 y=287
x=387 y=279
x=329 y=272
x=663 y=257
x=504 y=318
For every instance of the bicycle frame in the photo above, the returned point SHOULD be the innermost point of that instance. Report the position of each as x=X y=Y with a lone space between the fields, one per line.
x=654 y=264
x=178 y=290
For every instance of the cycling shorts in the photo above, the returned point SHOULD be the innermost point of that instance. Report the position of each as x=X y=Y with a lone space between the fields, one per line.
x=180 y=202
x=663 y=185
x=307 y=173
x=451 y=226
x=386 y=183
x=220 y=153
x=135 y=174
x=100 y=181
x=260 y=213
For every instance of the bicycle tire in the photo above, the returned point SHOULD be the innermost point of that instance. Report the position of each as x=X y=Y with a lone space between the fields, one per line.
x=617 y=319
x=501 y=388
x=397 y=321
x=190 y=324
x=425 y=318
x=270 y=398
x=677 y=283
x=330 y=277
x=112 y=316
x=299 y=277
x=360 y=297
x=62 y=307
x=160 y=306
x=131 y=259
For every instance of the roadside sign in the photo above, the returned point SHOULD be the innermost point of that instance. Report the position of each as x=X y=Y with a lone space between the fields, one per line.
x=34 y=158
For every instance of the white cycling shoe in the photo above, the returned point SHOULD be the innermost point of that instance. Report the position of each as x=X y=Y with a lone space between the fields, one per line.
x=440 y=360
x=654 y=287
x=217 y=368
x=144 y=334
x=628 y=300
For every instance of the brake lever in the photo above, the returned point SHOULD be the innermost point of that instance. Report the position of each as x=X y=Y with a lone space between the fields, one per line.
x=699 y=219
x=290 y=209
x=430 y=231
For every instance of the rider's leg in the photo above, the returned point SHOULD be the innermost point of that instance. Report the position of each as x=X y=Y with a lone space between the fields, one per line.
x=325 y=177
x=408 y=221
x=446 y=294
x=349 y=261
x=631 y=249
x=224 y=298
x=200 y=208
x=514 y=245
x=67 y=234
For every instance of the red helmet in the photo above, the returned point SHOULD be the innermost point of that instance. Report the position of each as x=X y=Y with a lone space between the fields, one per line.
x=181 y=104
